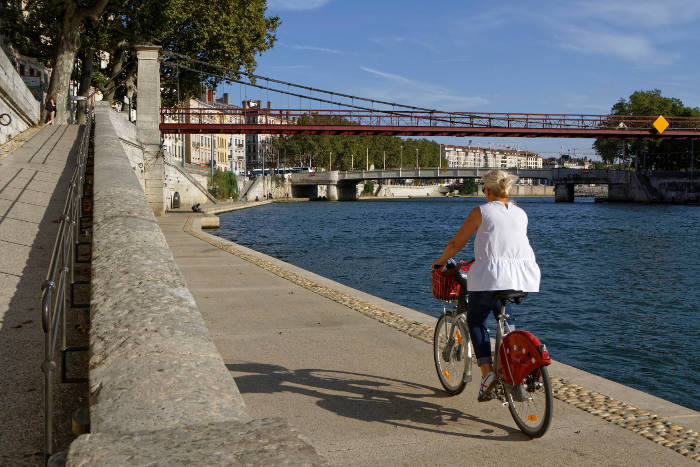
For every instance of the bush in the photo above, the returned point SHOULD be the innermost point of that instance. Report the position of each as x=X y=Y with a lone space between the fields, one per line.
x=224 y=185
x=368 y=188
x=468 y=186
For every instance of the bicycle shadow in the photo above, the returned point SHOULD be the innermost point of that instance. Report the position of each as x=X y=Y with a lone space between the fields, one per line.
x=368 y=398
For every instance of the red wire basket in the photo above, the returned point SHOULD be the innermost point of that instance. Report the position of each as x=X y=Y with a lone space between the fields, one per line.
x=445 y=288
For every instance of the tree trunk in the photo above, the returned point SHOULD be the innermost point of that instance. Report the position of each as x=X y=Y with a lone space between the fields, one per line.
x=67 y=45
x=130 y=88
x=111 y=87
x=85 y=81
x=62 y=68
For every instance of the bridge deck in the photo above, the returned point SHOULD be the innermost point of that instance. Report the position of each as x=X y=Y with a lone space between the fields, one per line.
x=366 y=394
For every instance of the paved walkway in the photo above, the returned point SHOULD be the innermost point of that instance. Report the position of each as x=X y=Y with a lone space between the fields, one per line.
x=364 y=393
x=33 y=185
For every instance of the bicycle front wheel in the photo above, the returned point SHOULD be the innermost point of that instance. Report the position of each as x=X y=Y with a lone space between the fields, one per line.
x=453 y=353
x=531 y=403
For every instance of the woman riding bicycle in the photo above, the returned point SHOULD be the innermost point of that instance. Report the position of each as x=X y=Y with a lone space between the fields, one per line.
x=504 y=261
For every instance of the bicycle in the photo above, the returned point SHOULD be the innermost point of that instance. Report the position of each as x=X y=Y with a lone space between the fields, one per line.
x=522 y=381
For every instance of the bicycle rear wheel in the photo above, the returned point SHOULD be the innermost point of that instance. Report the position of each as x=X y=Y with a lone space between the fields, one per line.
x=531 y=403
x=452 y=353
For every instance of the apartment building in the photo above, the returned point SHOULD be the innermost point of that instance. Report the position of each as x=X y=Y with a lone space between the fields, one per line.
x=474 y=156
x=258 y=148
x=230 y=152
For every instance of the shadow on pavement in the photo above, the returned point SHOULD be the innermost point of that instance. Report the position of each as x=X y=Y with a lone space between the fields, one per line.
x=367 y=397
x=22 y=338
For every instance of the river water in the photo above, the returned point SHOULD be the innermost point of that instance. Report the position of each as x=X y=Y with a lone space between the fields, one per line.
x=620 y=283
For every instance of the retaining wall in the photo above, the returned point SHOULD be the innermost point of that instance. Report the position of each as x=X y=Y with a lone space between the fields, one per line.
x=190 y=194
x=16 y=100
x=404 y=191
x=677 y=187
x=159 y=390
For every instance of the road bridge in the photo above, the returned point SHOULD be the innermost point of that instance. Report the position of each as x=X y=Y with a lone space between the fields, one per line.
x=564 y=180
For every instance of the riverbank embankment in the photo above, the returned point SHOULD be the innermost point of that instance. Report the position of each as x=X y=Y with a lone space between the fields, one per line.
x=354 y=374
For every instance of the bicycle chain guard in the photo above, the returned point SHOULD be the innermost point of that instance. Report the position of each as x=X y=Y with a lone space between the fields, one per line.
x=521 y=353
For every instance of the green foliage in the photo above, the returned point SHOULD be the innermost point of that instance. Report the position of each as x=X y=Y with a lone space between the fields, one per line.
x=278 y=180
x=229 y=33
x=468 y=186
x=224 y=185
x=354 y=151
x=656 y=154
x=368 y=188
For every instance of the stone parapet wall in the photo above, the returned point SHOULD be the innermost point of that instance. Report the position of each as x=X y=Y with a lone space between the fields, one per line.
x=155 y=376
x=532 y=190
x=16 y=100
x=404 y=191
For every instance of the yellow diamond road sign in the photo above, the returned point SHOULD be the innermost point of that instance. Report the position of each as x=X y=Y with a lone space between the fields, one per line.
x=660 y=124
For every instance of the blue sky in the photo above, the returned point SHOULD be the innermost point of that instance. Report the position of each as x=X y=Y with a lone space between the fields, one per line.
x=506 y=56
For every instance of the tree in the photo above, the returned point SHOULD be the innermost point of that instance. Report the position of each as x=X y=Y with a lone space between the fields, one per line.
x=228 y=33
x=657 y=154
x=51 y=31
x=353 y=151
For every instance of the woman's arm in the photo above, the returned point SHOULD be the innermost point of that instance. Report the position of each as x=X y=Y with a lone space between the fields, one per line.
x=465 y=232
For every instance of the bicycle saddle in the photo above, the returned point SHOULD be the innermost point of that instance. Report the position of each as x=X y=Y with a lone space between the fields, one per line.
x=510 y=296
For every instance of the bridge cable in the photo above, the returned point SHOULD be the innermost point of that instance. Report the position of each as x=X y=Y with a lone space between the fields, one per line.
x=301 y=86
x=397 y=113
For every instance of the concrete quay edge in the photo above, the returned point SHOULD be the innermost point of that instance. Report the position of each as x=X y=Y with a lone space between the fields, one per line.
x=661 y=421
x=155 y=375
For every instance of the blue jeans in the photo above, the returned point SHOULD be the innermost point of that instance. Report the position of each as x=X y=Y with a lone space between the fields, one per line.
x=479 y=306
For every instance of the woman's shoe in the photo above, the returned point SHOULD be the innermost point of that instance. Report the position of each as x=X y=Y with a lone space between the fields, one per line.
x=486 y=389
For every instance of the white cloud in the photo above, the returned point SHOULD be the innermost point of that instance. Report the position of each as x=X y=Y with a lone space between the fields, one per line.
x=386 y=75
x=630 y=47
x=317 y=49
x=644 y=13
x=420 y=94
x=401 y=40
x=296 y=4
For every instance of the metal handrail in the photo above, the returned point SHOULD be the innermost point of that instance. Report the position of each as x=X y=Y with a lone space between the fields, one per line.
x=61 y=274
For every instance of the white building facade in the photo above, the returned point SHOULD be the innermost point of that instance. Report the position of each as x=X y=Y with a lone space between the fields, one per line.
x=477 y=157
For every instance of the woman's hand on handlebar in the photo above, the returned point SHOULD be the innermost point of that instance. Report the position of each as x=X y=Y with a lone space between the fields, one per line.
x=439 y=264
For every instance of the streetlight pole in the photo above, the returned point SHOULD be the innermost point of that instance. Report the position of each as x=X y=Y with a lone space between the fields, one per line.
x=416 y=158
x=401 y=161
x=367 y=159
x=352 y=161
x=384 y=160
x=330 y=159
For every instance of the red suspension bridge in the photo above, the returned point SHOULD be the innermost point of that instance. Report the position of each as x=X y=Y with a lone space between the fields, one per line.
x=357 y=115
x=236 y=120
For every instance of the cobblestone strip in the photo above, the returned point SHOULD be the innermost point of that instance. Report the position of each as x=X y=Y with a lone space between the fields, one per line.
x=650 y=425
x=647 y=424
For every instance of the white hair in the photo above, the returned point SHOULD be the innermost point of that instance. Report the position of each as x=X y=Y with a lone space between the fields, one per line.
x=499 y=182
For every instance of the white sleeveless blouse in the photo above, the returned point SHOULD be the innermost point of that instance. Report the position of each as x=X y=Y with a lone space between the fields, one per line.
x=504 y=258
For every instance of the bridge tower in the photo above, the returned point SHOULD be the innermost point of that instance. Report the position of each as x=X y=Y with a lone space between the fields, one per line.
x=148 y=125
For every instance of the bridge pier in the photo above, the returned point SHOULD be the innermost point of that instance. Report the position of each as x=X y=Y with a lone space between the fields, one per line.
x=332 y=192
x=305 y=191
x=564 y=193
x=347 y=191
